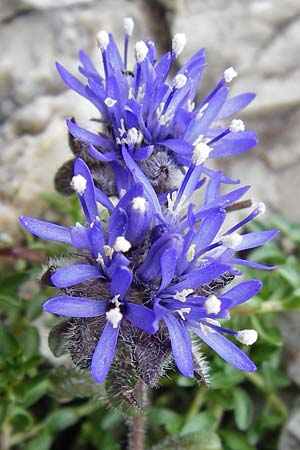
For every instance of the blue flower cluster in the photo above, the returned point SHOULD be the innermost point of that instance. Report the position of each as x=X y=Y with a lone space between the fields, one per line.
x=164 y=257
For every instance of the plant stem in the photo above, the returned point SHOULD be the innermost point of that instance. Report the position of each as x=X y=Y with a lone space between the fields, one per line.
x=137 y=423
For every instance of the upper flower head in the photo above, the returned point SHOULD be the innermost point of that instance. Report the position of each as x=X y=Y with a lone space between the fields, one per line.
x=146 y=110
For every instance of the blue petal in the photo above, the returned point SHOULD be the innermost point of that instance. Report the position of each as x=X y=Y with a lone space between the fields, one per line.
x=241 y=293
x=117 y=226
x=168 y=262
x=104 y=352
x=199 y=277
x=96 y=239
x=121 y=281
x=150 y=268
x=252 y=264
x=235 y=104
x=181 y=345
x=140 y=177
x=234 y=144
x=225 y=348
x=209 y=227
x=88 y=137
x=141 y=317
x=80 y=237
x=102 y=156
x=46 y=230
x=87 y=199
x=255 y=239
x=74 y=274
x=75 y=306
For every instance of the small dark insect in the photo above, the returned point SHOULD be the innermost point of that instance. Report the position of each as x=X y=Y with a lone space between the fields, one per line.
x=128 y=72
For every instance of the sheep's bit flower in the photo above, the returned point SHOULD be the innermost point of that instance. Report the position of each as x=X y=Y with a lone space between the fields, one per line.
x=150 y=282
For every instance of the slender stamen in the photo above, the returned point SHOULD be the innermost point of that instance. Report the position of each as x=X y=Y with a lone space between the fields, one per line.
x=128 y=27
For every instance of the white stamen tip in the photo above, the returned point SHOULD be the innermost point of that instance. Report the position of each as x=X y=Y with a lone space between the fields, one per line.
x=261 y=208
x=139 y=203
x=114 y=316
x=141 y=51
x=232 y=240
x=128 y=24
x=201 y=153
x=180 y=81
x=182 y=295
x=178 y=43
x=78 y=183
x=132 y=136
x=247 y=337
x=181 y=311
x=236 y=125
x=115 y=300
x=103 y=39
x=212 y=305
x=229 y=74
x=100 y=259
x=108 y=251
x=121 y=244
x=110 y=102
x=190 y=254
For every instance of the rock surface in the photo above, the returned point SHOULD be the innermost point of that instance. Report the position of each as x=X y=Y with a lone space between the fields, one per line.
x=260 y=38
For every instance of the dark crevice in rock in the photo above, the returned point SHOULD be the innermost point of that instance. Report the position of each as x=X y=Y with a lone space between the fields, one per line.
x=159 y=16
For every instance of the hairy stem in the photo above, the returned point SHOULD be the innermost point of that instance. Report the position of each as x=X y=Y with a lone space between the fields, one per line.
x=136 y=424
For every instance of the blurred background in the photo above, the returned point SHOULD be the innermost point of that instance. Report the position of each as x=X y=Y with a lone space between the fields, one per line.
x=261 y=40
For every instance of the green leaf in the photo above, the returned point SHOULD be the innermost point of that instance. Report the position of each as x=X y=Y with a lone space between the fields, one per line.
x=61 y=419
x=9 y=343
x=31 y=341
x=205 y=440
x=20 y=418
x=34 y=393
x=42 y=442
x=243 y=409
x=234 y=440
x=203 y=421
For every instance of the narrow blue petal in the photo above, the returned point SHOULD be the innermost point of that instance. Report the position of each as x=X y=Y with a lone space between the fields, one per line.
x=235 y=104
x=102 y=156
x=150 y=268
x=121 y=281
x=168 y=262
x=141 y=317
x=209 y=228
x=181 y=345
x=242 y=292
x=87 y=199
x=88 y=65
x=46 y=230
x=200 y=126
x=76 y=273
x=252 y=264
x=140 y=177
x=224 y=348
x=117 y=226
x=75 y=306
x=102 y=198
x=255 y=239
x=104 y=352
x=71 y=81
x=80 y=237
x=88 y=137
x=96 y=239
x=234 y=144
x=142 y=153
x=199 y=277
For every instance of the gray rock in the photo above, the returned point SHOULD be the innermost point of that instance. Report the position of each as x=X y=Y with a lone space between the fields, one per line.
x=290 y=436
